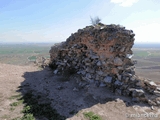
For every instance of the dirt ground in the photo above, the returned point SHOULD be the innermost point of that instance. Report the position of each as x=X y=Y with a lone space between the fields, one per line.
x=153 y=74
x=66 y=96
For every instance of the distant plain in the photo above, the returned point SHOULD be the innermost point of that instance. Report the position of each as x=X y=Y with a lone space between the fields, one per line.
x=23 y=54
x=147 y=56
x=148 y=62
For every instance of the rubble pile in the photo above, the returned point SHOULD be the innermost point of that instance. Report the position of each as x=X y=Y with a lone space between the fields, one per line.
x=102 y=54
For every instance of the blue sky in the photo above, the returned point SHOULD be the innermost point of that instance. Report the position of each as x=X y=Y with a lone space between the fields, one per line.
x=55 y=20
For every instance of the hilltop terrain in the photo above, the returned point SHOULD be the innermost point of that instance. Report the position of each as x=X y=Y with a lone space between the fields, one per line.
x=65 y=98
x=30 y=90
x=19 y=75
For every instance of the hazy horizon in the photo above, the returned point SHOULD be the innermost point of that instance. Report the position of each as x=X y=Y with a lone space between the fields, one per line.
x=65 y=40
x=136 y=45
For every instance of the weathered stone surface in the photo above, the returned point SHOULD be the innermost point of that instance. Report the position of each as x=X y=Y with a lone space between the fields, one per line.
x=118 y=83
x=118 y=61
x=129 y=56
x=158 y=89
x=158 y=100
x=88 y=75
x=102 y=84
x=94 y=56
x=122 y=49
x=102 y=55
x=157 y=93
x=99 y=73
x=119 y=77
x=75 y=89
x=55 y=71
x=108 y=79
x=88 y=69
x=150 y=83
x=99 y=63
x=136 y=92
x=151 y=102
x=140 y=83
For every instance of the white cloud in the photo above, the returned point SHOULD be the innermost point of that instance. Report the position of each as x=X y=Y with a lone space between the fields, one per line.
x=147 y=33
x=124 y=3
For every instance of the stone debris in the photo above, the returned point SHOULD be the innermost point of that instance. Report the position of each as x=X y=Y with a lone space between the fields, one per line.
x=108 y=80
x=103 y=56
x=59 y=88
x=75 y=89
x=157 y=93
x=42 y=62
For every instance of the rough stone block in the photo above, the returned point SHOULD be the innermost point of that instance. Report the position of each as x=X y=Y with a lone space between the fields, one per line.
x=108 y=79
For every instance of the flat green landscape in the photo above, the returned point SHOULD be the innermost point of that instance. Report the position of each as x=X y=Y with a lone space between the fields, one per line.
x=146 y=57
x=148 y=63
x=23 y=54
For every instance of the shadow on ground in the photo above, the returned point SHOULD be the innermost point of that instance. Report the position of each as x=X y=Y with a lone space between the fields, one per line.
x=57 y=98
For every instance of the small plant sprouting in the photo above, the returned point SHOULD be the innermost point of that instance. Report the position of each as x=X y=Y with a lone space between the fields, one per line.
x=12 y=109
x=15 y=96
x=95 y=21
x=92 y=116
x=16 y=103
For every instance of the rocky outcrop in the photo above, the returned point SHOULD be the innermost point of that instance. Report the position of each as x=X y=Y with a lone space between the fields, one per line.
x=102 y=54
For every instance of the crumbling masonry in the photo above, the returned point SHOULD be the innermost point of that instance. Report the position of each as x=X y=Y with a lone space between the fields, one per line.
x=102 y=54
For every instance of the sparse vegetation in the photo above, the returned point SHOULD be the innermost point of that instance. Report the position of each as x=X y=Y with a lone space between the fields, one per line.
x=5 y=117
x=12 y=109
x=95 y=21
x=92 y=116
x=32 y=109
x=28 y=117
x=15 y=104
x=32 y=58
x=15 y=96
x=18 y=102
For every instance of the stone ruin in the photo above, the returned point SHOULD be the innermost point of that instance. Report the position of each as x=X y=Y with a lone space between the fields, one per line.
x=102 y=54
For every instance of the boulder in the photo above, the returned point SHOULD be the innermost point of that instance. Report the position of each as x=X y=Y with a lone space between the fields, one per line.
x=108 y=79
x=118 y=61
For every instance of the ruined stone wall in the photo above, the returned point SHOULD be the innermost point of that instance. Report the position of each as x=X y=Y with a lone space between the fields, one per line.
x=102 y=54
